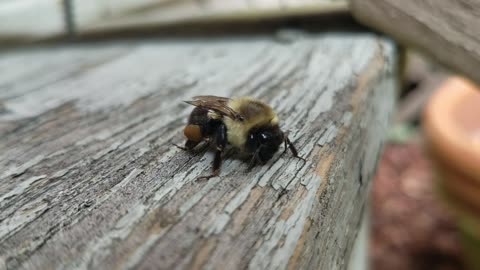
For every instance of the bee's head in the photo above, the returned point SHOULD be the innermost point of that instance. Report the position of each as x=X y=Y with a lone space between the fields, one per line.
x=264 y=142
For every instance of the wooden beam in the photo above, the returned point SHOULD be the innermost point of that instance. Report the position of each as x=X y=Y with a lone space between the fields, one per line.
x=448 y=30
x=50 y=19
x=89 y=177
x=199 y=11
x=22 y=21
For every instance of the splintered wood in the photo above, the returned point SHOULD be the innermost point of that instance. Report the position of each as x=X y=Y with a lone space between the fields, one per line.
x=89 y=178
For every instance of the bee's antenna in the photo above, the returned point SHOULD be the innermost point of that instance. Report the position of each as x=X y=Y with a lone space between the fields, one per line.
x=253 y=160
x=292 y=149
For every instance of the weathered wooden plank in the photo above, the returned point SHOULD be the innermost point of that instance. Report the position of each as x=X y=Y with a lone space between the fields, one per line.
x=89 y=179
x=25 y=71
x=448 y=30
x=31 y=20
x=108 y=18
x=47 y=18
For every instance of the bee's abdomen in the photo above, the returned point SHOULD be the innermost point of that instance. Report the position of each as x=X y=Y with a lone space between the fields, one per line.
x=200 y=125
x=199 y=116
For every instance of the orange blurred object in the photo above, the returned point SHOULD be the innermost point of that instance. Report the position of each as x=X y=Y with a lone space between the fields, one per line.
x=452 y=130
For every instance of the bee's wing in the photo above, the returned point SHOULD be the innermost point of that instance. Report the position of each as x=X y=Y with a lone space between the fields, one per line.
x=217 y=104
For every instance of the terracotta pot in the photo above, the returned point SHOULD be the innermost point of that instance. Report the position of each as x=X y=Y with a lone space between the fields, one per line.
x=452 y=129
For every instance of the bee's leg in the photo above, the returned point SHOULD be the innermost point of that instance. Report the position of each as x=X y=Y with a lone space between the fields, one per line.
x=253 y=161
x=221 y=142
x=189 y=145
x=285 y=146
x=286 y=142
x=204 y=146
x=293 y=149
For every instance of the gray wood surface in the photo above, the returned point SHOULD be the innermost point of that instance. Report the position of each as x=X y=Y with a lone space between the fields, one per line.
x=89 y=179
x=448 y=30
x=100 y=18
x=31 y=21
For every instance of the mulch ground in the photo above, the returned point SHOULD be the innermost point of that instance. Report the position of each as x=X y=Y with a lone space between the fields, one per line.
x=410 y=227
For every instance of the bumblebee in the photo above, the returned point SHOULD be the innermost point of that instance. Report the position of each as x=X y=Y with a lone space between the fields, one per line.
x=247 y=124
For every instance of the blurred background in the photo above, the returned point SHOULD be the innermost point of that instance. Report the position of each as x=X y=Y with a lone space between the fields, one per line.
x=412 y=226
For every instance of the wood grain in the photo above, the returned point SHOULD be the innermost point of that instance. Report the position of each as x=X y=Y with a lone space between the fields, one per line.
x=448 y=30
x=98 y=18
x=31 y=21
x=89 y=178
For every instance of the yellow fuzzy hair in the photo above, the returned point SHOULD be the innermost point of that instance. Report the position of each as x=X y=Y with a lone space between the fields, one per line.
x=256 y=114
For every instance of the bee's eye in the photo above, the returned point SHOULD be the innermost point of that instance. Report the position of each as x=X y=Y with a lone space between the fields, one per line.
x=263 y=138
